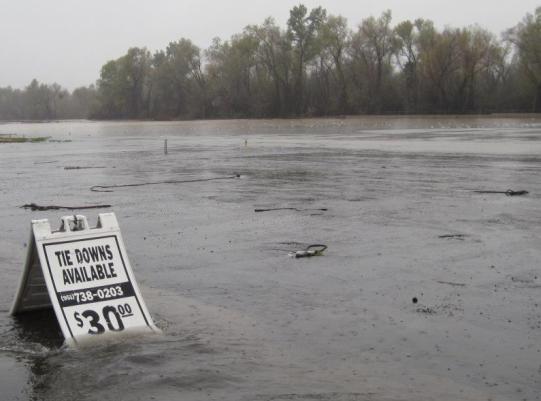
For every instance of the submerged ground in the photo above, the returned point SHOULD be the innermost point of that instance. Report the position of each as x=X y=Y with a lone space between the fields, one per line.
x=242 y=320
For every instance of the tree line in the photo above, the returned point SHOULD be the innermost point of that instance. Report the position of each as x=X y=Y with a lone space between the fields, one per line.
x=39 y=101
x=316 y=66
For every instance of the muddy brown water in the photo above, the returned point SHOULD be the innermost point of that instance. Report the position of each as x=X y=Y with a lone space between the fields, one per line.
x=241 y=319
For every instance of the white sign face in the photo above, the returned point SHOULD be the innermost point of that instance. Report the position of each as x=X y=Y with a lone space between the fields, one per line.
x=92 y=285
x=88 y=278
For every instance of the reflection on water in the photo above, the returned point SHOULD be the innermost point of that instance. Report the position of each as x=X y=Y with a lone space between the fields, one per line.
x=38 y=327
x=26 y=348
x=13 y=380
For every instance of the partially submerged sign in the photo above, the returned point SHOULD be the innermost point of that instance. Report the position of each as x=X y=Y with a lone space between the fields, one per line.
x=85 y=275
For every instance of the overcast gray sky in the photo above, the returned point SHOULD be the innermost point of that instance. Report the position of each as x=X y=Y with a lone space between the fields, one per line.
x=67 y=41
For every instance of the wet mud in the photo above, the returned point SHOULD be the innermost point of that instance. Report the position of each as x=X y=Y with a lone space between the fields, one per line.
x=244 y=321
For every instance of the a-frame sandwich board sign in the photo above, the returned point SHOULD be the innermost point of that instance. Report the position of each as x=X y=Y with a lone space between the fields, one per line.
x=85 y=275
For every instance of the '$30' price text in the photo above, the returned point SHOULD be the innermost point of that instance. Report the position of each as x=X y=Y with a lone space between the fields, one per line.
x=112 y=315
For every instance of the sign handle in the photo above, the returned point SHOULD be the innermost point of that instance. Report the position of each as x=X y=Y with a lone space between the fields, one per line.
x=74 y=223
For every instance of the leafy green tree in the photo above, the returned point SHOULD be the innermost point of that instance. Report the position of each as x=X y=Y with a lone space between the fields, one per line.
x=334 y=34
x=83 y=102
x=371 y=51
x=124 y=86
x=134 y=69
x=186 y=77
x=232 y=71
x=303 y=29
x=37 y=102
x=11 y=104
x=407 y=53
x=177 y=81
x=111 y=94
x=478 y=50
x=274 y=63
x=526 y=37
x=439 y=66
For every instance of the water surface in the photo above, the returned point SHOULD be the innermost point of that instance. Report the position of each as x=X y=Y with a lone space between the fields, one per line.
x=242 y=320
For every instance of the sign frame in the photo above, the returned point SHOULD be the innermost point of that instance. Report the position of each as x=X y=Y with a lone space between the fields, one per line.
x=40 y=286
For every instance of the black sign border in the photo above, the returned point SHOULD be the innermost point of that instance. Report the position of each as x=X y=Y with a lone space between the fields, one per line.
x=87 y=239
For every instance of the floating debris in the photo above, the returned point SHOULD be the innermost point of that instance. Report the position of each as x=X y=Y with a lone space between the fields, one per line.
x=34 y=207
x=323 y=209
x=82 y=167
x=509 y=192
x=22 y=139
x=109 y=188
x=452 y=236
x=311 y=250
x=426 y=309
x=47 y=162
x=447 y=309
x=451 y=283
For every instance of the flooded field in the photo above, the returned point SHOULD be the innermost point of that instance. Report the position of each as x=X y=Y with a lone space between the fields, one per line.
x=242 y=321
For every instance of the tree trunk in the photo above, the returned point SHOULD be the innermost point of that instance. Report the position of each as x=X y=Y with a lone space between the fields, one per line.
x=343 y=101
x=537 y=99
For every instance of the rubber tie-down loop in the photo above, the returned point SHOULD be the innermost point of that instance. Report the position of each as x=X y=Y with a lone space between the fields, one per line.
x=311 y=250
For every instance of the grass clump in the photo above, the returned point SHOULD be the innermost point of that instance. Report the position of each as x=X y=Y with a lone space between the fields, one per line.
x=22 y=139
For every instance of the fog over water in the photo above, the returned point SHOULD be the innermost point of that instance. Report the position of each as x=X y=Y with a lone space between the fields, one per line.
x=67 y=42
